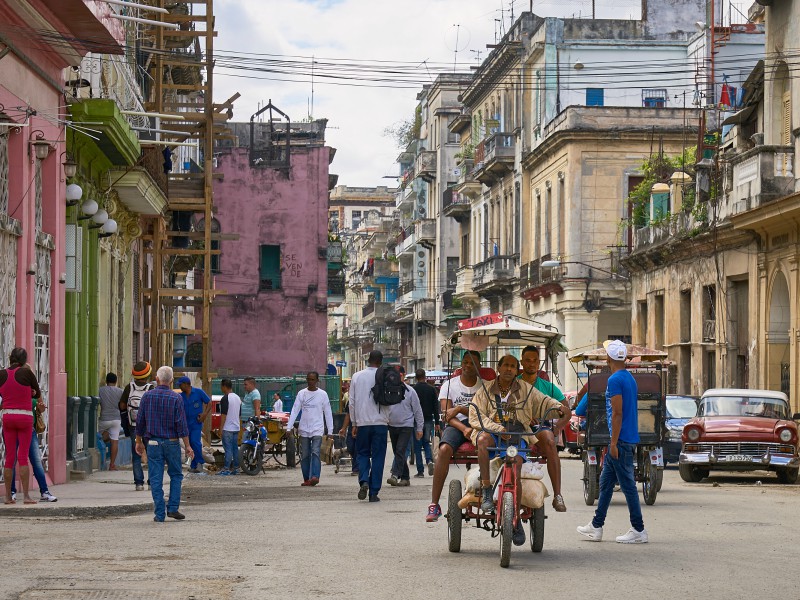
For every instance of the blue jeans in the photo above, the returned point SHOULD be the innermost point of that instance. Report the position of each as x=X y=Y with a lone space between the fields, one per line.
x=136 y=463
x=35 y=458
x=371 y=452
x=196 y=442
x=310 y=463
x=230 y=444
x=160 y=451
x=619 y=470
x=424 y=444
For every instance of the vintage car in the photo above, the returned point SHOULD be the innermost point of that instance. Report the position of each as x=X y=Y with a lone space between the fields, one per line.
x=680 y=409
x=740 y=430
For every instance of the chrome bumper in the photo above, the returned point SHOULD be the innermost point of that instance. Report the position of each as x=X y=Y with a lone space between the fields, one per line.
x=707 y=459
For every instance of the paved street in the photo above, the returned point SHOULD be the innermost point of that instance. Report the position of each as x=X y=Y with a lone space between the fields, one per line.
x=244 y=537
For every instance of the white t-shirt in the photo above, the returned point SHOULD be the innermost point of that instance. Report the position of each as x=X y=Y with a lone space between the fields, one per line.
x=278 y=406
x=458 y=393
x=234 y=408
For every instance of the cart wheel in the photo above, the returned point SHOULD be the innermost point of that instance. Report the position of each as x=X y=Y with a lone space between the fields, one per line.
x=590 y=482
x=506 y=528
x=454 y=517
x=659 y=478
x=291 y=451
x=537 y=529
x=649 y=482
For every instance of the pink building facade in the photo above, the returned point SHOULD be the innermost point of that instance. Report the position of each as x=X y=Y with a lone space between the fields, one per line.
x=33 y=190
x=274 y=318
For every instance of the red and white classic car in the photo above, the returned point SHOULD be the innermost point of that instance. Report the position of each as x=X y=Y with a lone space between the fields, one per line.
x=741 y=430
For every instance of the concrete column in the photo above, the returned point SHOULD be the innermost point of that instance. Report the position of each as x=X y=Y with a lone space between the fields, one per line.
x=580 y=334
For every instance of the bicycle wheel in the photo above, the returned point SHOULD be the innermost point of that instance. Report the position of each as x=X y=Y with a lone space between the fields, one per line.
x=590 y=482
x=277 y=454
x=537 y=529
x=454 y=517
x=506 y=528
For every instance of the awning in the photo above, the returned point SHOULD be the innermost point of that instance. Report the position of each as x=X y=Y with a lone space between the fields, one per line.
x=740 y=117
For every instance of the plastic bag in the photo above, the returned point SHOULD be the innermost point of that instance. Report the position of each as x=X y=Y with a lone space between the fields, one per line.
x=532 y=470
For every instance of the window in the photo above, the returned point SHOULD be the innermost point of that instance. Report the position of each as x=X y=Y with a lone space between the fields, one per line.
x=654 y=98
x=356 y=219
x=74 y=258
x=270 y=268
x=594 y=96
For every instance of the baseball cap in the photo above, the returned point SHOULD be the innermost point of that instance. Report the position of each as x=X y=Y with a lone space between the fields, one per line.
x=616 y=349
x=183 y=379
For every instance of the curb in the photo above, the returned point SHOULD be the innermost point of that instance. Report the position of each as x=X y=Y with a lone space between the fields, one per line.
x=77 y=512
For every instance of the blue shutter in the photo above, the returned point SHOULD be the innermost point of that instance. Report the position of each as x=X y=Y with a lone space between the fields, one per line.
x=594 y=96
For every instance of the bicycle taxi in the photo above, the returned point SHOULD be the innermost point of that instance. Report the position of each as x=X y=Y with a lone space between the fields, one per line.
x=649 y=369
x=519 y=492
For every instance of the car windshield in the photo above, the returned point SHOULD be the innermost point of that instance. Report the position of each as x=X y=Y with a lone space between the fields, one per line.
x=681 y=408
x=740 y=406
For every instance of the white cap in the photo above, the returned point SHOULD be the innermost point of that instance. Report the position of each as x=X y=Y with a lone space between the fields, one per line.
x=616 y=349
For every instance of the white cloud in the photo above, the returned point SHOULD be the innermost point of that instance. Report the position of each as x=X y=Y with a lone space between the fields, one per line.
x=412 y=31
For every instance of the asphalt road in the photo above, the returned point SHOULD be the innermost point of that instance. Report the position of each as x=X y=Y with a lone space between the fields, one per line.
x=251 y=537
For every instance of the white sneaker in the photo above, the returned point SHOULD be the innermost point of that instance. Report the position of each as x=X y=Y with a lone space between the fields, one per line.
x=13 y=496
x=590 y=531
x=48 y=497
x=633 y=537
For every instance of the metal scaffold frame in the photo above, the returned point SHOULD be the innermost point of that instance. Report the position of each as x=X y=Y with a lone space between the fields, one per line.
x=192 y=192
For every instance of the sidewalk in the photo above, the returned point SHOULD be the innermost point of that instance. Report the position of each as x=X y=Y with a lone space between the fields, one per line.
x=101 y=494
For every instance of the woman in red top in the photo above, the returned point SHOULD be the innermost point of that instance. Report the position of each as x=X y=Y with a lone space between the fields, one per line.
x=18 y=387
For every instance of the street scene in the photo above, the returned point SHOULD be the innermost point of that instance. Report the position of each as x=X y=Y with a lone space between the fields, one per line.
x=355 y=299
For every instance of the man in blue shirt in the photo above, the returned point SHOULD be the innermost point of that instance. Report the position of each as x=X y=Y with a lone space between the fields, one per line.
x=197 y=405
x=160 y=424
x=623 y=424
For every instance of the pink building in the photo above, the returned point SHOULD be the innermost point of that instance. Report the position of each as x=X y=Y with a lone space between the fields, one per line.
x=34 y=54
x=274 y=196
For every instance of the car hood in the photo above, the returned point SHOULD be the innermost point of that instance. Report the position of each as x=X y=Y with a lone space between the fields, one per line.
x=737 y=424
x=677 y=423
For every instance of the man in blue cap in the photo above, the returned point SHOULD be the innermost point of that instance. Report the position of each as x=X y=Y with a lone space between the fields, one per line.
x=197 y=405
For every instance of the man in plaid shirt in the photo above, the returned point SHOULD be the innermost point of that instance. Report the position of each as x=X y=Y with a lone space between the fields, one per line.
x=161 y=421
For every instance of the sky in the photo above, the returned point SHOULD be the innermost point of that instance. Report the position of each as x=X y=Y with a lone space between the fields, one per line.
x=420 y=33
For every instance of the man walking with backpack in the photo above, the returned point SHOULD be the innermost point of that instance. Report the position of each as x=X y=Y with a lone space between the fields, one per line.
x=370 y=426
x=129 y=402
x=404 y=419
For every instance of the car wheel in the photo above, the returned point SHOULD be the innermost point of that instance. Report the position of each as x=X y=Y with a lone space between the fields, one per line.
x=787 y=475
x=692 y=474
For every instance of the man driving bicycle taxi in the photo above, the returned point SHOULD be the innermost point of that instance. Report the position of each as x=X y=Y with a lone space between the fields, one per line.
x=507 y=405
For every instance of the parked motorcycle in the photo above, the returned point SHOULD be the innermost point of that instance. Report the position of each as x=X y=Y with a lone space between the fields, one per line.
x=254 y=446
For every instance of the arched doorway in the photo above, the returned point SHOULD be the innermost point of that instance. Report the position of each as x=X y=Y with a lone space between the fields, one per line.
x=778 y=336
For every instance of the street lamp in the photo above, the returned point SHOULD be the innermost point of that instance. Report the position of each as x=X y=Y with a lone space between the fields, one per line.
x=549 y=264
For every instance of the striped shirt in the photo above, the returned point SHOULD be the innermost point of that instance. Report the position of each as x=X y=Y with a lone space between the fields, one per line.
x=161 y=415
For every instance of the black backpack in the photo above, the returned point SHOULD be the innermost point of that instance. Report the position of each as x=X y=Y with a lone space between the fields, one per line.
x=389 y=388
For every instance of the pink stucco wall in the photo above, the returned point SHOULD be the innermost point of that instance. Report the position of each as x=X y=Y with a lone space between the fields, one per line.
x=284 y=331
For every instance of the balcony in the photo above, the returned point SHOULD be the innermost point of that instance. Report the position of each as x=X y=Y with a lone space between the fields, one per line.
x=425 y=165
x=115 y=138
x=495 y=276
x=675 y=228
x=537 y=282
x=464 y=290
x=760 y=175
x=425 y=310
x=422 y=232
x=143 y=189
x=335 y=255
x=406 y=198
x=409 y=292
x=455 y=205
x=376 y=313
x=390 y=348
x=336 y=284
x=461 y=123
x=452 y=307
x=494 y=158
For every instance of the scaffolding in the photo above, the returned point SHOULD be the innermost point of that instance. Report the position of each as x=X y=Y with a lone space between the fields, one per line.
x=183 y=99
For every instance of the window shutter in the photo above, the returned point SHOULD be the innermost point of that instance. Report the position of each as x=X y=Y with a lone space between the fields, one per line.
x=74 y=257
x=594 y=96
x=786 y=119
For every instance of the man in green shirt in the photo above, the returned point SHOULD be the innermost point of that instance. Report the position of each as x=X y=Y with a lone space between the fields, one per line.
x=251 y=403
x=547 y=439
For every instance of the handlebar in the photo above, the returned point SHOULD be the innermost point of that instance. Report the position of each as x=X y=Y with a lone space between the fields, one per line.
x=534 y=428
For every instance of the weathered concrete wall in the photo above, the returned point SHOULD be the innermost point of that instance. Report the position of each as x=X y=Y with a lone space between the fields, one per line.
x=276 y=332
